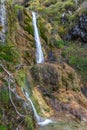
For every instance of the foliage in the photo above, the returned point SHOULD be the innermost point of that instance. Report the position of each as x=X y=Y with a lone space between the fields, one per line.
x=29 y=123
x=9 y=54
x=12 y=17
x=4 y=96
x=17 y=7
x=2 y=127
x=21 y=78
x=69 y=5
x=52 y=10
x=29 y=29
x=60 y=43
x=76 y=56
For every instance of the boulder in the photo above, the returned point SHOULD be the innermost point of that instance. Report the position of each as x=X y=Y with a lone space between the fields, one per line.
x=52 y=77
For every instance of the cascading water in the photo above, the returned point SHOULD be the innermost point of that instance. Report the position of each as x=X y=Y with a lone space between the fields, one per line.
x=39 y=52
x=40 y=121
x=2 y=21
x=39 y=59
x=76 y=2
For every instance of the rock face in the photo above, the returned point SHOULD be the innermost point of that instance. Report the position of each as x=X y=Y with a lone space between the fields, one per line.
x=80 y=30
x=60 y=87
x=52 y=77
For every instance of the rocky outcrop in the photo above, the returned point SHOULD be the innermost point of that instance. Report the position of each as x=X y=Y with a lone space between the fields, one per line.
x=80 y=30
x=60 y=86
x=52 y=77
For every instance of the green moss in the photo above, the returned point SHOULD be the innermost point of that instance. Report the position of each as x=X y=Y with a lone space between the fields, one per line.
x=2 y=127
x=9 y=54
x=35 y=102
x=4 y=97
x=11 y=17
x=21 y=78
x=17 y=7
x=29 y=123
x=29 y=29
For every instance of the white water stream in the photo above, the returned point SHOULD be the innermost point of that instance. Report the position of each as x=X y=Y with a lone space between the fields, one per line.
x=39 y=59
x=76 y=2
x=39 y=52
x=2 y=21
x=40 y=121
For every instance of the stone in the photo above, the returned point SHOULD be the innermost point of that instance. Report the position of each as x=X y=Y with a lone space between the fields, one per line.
x=52 y=77
x=80 y=30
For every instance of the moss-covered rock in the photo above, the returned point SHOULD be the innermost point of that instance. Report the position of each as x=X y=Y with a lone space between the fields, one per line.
x=55 y=77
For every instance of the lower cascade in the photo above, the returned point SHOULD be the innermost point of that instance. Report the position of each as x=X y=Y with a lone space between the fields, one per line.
x=40 y=121
x=39 y=52
x=2 y=21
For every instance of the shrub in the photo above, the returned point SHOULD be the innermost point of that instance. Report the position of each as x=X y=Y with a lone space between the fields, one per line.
x=76 y=56
x=9 y=54
x=69 y=5
x=60 y=43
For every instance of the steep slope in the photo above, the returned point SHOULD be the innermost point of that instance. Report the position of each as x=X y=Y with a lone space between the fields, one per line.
x=54 y=87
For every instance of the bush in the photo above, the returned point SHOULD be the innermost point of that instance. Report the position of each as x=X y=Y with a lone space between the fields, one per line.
x=69 y=5
x=60 y=43
x=76 y=56
x=9 y=54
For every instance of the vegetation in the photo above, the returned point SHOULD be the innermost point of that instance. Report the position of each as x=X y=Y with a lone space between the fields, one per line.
x=9 y=54
x=4 y=97
x=60 y=44
x=2 y=127
x=29 y=123
x=20 y=77
x=76 y=56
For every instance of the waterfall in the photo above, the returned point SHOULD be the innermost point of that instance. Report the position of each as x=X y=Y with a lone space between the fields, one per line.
x=39 y=52
x=40 y=121
x=39 y=59
x=2 y=21
x=76 y=2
